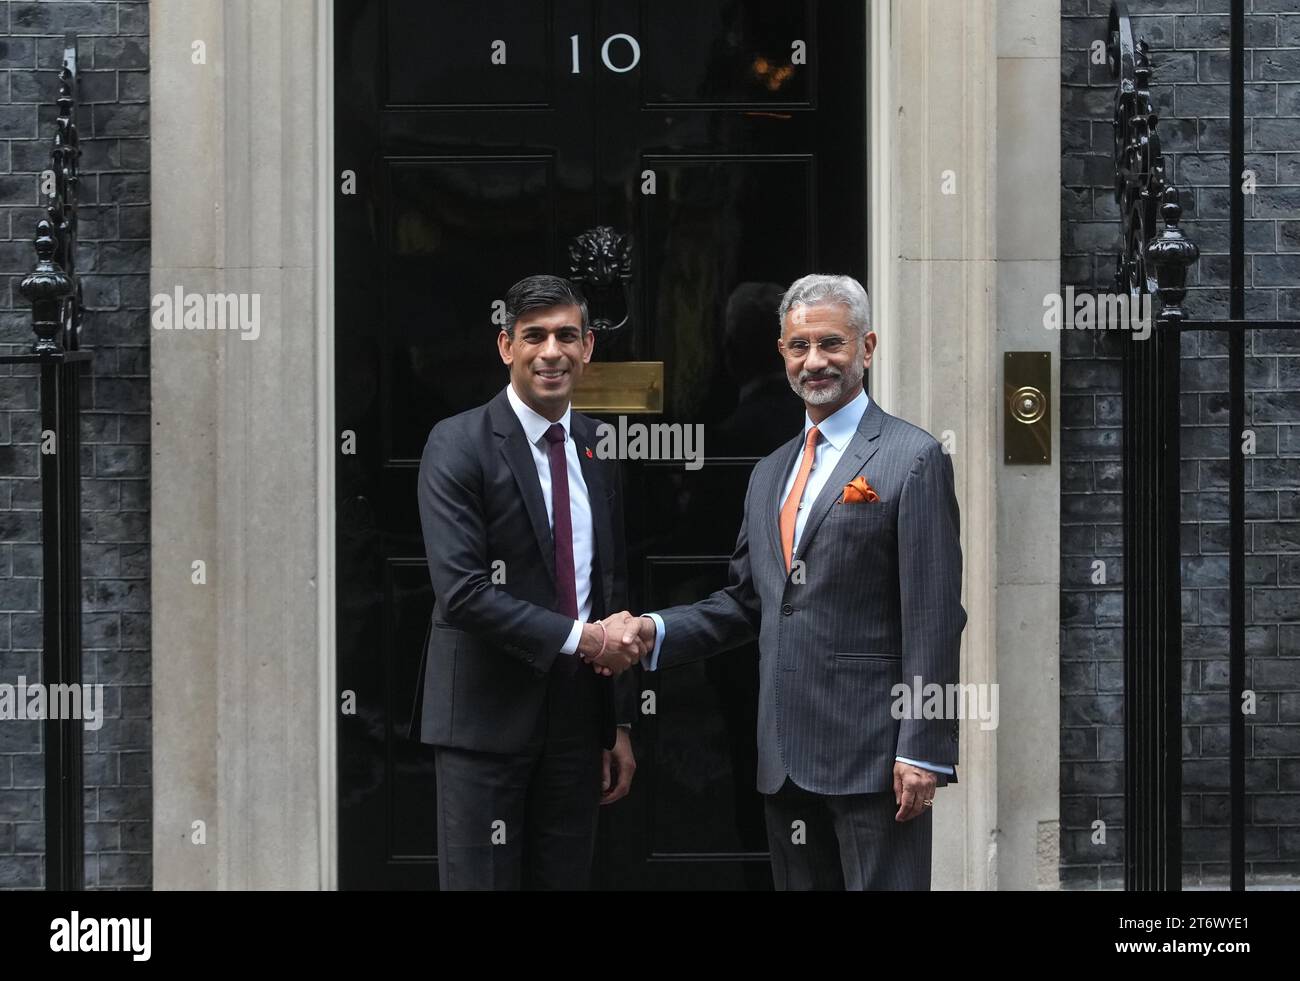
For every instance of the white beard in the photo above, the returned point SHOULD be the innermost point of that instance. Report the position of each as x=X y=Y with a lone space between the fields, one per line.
x=847 y=380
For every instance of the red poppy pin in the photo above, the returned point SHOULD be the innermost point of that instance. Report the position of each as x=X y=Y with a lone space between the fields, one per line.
x=588 y=449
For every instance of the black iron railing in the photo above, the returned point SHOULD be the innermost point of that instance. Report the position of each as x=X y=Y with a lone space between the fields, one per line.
x=54 y=292
x=1155 y=262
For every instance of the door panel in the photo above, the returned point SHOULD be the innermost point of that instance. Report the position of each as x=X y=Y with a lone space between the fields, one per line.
x=721 y=52
x=436 y=53
x=470 y=175
x=444 y=216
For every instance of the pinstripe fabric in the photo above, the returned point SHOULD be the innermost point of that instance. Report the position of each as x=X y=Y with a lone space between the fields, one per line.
x=880 y=604
x=848 y=842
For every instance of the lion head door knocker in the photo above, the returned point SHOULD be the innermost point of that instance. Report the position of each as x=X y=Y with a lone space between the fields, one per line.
x=600 y=262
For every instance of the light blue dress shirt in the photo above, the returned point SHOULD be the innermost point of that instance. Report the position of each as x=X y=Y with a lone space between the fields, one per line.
x=836 y=430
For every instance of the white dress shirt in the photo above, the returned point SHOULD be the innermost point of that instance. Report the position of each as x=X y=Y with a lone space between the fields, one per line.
x=836 y=431
x=535 y=427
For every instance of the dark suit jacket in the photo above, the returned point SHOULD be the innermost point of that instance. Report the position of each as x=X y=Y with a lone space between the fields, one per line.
x=877 y=603
x=490 y=645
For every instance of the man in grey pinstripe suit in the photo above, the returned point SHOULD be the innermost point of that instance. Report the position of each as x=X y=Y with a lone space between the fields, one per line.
x=848 y=569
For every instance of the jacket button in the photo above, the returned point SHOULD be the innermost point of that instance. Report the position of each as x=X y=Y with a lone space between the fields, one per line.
x=787 y=609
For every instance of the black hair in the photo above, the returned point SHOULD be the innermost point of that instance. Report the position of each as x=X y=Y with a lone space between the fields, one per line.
x=539 y=293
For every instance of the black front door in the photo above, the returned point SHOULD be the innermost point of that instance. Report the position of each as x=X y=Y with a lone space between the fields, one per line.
x=475 y=139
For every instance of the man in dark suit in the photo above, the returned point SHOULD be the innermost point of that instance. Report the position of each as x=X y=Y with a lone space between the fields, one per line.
x=523 y=531
x=848 y=569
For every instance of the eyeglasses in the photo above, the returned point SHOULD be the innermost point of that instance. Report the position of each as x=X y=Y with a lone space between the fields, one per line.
x=798 y=349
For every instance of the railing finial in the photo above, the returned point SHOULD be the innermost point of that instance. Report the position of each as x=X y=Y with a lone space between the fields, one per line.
x=53 y=288
x=1150 y=261
x=1171 y=254
x=46 y=288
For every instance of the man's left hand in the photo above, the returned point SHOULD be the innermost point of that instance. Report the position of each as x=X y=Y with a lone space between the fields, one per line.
x=617 y=767
x=912 y=786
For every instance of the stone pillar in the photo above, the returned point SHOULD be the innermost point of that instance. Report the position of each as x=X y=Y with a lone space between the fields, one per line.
x=943 y=371
x=1028 y=225
x=240 y=672
x=972 y=246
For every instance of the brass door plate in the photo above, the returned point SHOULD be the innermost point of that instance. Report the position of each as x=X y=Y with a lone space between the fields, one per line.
x=621 y=386
x=1027 y=407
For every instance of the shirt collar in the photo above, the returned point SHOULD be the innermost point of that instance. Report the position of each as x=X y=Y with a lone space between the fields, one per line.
x=838 y=428
x=535 y=424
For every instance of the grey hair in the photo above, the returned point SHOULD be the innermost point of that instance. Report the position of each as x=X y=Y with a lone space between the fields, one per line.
x=816 y=288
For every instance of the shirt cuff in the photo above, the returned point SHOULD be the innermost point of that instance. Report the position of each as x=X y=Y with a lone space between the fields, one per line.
x=575 y=635
x=937 y=767
x=659 y=640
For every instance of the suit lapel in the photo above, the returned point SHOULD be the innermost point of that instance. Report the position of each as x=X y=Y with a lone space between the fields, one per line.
x=862 y=447
x=519 y=457
x=597 y=494
x=771 y=495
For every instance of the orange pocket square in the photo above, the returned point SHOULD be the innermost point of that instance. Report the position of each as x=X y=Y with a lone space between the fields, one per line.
x=857 y=491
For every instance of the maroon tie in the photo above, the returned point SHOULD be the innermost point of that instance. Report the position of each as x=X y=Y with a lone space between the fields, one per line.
x=566 y=589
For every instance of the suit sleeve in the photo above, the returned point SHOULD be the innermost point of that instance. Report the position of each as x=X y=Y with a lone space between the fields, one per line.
x=929 y=577
x=726 y=619
x=455 y=544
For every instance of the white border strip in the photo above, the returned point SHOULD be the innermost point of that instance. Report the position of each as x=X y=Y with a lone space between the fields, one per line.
x=325 y=461
x=880 y=260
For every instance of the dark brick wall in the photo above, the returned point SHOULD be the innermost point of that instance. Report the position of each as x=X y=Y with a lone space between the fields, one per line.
x=1190 y=39
x=114 y=258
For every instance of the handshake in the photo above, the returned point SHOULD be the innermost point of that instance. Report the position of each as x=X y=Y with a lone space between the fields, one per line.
x=614 y=644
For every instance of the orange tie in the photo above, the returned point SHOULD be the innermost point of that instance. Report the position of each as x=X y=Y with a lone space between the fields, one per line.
x=790 y=509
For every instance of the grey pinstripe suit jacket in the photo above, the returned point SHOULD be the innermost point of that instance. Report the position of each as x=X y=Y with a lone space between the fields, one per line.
x=880 y=604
